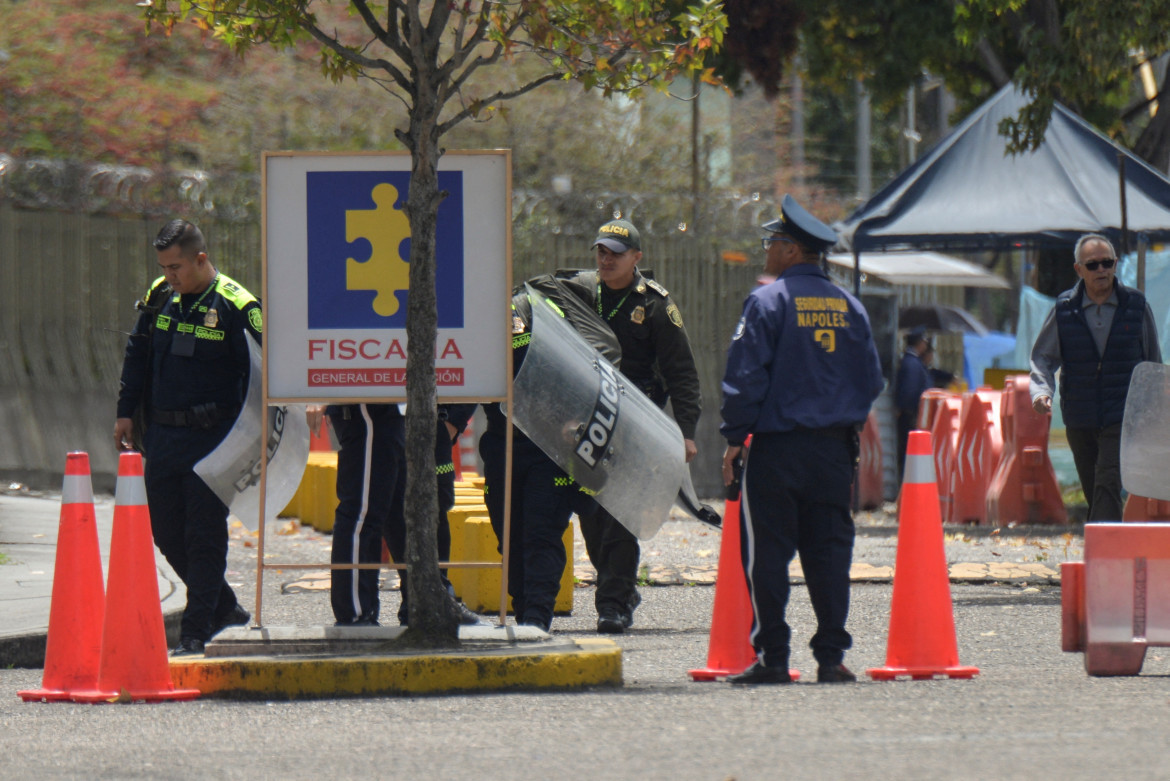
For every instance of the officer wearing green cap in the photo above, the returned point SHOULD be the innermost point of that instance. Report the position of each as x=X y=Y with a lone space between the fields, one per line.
x=657 y=358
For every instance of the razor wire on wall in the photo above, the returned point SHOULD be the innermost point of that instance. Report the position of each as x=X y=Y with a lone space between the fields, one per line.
x=76 y=253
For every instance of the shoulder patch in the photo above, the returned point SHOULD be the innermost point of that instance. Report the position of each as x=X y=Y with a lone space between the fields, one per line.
x=657 y=288
x=154 y=286
x=233 y=291
x=256 y=319
x=674 y=315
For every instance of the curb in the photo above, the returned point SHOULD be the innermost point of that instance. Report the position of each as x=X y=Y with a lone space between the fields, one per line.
x=28 y=650
x=541 y=664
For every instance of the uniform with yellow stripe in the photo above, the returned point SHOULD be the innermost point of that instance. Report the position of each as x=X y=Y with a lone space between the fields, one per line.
x=187 y=362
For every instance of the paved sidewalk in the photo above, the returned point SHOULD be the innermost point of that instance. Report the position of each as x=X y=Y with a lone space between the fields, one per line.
x=28 y=544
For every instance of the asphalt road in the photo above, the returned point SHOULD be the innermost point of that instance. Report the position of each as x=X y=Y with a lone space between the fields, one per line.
x=1031 y=713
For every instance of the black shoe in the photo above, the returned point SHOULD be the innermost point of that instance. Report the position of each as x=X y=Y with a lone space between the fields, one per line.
x=835 y=673
x=238 y=617
x=467 y=617
x=546 y=628
x=188 y=647
x=610 y=622
x=631 y=606
x=758 y=673
x=359 y=621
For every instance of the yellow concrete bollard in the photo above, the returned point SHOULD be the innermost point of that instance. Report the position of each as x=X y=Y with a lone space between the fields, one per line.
x=472 y=538
x=479 y=587
x=316 y=498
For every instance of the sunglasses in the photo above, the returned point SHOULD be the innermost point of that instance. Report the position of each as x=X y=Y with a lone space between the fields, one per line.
x=764 y=242
x=1092 y=265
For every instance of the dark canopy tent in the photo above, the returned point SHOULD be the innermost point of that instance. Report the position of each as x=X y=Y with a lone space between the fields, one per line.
x=968 y=194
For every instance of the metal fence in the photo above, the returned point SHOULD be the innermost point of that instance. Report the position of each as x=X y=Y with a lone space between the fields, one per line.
x=72 y=264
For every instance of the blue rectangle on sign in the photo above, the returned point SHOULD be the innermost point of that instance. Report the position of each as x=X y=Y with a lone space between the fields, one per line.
x=359 y=249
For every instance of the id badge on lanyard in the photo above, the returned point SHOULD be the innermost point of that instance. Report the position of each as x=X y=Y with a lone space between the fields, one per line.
x=183 y=344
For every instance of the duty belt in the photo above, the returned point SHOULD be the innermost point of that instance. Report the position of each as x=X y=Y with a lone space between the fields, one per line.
x=842 y=433
x=202 y=416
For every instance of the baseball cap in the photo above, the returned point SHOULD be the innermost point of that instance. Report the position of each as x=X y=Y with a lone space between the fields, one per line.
x=618 y=236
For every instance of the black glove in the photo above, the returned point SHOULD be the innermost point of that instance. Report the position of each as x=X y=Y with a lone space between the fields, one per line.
x=731 y=490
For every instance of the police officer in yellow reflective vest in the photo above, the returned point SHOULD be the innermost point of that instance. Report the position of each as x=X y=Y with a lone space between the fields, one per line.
x=186 y=366
x=802 y=372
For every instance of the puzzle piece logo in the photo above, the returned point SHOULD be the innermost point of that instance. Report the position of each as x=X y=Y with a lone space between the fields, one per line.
x=385 y=271
x=359 y=249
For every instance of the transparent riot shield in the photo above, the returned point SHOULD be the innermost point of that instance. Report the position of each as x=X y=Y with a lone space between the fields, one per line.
x=605 y=433
x=1145 y=433
x=232 y=470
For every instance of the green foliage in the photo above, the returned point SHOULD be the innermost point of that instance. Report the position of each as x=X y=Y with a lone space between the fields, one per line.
x=1079 y=52
x=414 y=48
x=79 y=78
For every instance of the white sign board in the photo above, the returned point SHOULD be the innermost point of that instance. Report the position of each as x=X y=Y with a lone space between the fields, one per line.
x=337 y=251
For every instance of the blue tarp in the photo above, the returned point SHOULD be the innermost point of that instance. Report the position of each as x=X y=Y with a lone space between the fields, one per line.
x=985 y=352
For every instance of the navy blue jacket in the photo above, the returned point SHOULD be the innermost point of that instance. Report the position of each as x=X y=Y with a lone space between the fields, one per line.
x=913 y=380
x=802 y=357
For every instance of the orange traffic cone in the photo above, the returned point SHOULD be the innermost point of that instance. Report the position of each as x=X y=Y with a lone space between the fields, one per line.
x=922 y=643
x=134 y=663
x=729 y=649
x=74 y=646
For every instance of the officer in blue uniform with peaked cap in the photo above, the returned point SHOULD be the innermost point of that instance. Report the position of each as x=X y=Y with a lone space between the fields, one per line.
x=802 y=373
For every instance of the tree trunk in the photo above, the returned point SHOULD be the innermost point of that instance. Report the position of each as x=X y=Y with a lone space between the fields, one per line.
x=433 y=615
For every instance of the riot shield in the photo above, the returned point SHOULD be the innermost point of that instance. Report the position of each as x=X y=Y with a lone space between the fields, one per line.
x=1145 y=433
x=232 y=470
x=601 y=430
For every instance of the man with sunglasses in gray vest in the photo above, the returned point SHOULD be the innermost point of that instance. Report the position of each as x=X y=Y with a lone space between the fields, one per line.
x=1096 y=334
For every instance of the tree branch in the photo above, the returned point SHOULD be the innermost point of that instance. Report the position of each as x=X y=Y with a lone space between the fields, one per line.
x=499 y=97
x=349 y=54
x=990 y=60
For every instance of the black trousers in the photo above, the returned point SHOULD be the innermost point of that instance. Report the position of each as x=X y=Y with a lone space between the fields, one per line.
x=542 y=497
x=796 y=490
x=189 y=525
x=614 y=551
x=1097 y=455
x=369 y=465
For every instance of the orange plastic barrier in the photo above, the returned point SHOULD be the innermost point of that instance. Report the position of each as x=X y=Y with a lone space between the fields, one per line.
x=921 y=642
x=466 y=446
x=1112 y=604
x=74 y=646
x=1143 y=508
x=1024 y=488
x=928 y=406
x=870 y=491
x=978 y=449
x=134 y=664
x=319 y=441
x=945 y=436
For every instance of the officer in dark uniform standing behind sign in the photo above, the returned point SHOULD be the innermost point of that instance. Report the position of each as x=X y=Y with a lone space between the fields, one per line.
x=657 y=358
x=802 y=373
x=187 y=363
